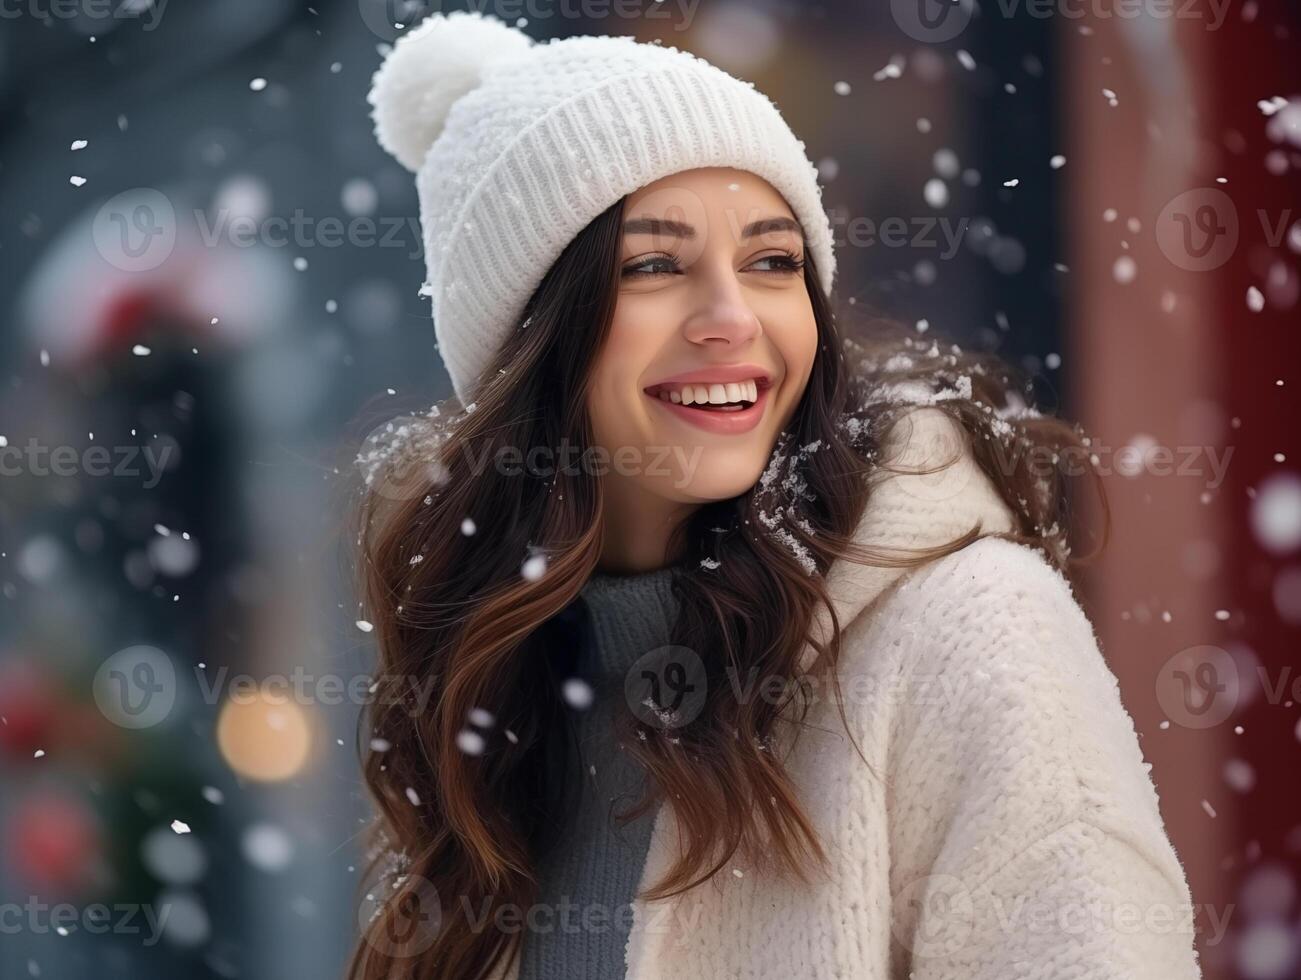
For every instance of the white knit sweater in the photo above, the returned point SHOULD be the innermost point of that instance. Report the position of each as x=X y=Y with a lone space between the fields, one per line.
x=1006 y=826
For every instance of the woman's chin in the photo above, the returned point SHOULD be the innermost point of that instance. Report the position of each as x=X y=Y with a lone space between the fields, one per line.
x=709 y=483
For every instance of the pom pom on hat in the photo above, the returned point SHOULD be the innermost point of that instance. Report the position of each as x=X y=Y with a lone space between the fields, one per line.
x=430 y=68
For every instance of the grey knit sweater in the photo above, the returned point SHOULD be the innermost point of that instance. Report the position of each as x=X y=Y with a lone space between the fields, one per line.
x=580 y=929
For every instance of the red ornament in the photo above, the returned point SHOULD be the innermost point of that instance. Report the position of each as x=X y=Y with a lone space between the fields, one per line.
x=53 y=842
x=29 y=706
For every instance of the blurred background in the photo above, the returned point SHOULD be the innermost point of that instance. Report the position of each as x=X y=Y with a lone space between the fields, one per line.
x=208 y=298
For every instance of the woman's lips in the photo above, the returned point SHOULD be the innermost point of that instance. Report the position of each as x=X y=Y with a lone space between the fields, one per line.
x=723 y=421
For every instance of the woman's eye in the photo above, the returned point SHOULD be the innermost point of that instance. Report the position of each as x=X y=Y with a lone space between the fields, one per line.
x=779 y=263
x=656 y=265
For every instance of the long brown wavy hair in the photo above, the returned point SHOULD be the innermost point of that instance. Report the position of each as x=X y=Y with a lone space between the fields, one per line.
x=450 y=551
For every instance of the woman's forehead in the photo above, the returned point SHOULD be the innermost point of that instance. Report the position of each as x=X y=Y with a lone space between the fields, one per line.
x=719 y=186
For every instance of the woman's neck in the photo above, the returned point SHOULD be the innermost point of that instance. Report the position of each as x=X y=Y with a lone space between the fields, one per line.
x=637 y=529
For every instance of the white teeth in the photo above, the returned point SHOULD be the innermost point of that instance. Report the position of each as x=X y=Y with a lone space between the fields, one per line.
x=718 y=393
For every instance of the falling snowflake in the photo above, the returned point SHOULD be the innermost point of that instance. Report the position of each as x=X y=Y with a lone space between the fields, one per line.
x=577 y=693
x=469 y=742
x=1276 y=513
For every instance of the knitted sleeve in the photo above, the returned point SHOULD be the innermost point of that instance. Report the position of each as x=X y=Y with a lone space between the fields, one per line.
x=1025 y=834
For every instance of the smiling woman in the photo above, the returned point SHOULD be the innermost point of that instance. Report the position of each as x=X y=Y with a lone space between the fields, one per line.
x=702 y=309
x=688 y=702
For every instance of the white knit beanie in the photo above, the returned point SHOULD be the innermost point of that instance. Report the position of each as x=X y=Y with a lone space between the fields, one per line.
x=517 y=146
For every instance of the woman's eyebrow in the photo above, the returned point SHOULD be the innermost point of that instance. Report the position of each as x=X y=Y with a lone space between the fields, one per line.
x=680 y=229
x=768 y=226
x=658 y=226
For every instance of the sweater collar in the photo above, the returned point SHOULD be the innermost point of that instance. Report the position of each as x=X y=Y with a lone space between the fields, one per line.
x=629 y=615
x=911 y=509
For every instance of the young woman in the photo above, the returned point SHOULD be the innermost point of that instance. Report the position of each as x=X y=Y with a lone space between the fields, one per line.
x=748 y=646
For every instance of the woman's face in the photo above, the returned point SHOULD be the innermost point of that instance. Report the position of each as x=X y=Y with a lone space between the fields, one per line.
x=713 y=336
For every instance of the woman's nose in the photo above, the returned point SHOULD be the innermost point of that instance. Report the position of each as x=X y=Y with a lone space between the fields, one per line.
x=724 y=316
